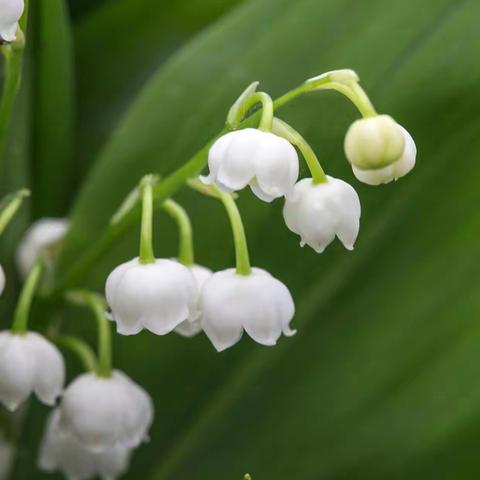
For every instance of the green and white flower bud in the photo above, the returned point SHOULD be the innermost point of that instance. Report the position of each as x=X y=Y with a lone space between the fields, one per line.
x=374 y=142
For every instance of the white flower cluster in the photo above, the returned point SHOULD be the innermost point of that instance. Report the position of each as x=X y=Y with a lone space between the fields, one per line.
x=167 y=296
x=103 y=415
x=10 y=13
x=99 y=420
x=98 y=423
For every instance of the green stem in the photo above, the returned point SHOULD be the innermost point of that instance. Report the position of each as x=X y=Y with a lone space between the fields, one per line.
x=266 y=112
x=97 y=305
x=242 y=259
x=80 y=349
x=11 y=85
x=179 y=214
x=9 y=207
x=356 y=95
x=286 y=131
x=146 y=240
x=22 y=311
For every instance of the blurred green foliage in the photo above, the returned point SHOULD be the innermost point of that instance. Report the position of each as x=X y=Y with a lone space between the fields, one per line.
x=381 y=380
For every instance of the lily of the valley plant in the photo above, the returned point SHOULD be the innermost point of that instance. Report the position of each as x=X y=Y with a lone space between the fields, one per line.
x=102 y=416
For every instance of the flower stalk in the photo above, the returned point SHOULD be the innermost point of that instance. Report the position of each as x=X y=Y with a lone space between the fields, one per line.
x=146 y=241
x=242 y=258
x=22 y=311
x=179 y=214
x=286 y=131
x=97 y=305
x=83 y=351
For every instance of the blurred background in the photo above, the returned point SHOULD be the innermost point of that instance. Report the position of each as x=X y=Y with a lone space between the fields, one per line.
x=382 y=379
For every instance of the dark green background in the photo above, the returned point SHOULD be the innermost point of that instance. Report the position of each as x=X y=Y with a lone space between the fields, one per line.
x=382 y=379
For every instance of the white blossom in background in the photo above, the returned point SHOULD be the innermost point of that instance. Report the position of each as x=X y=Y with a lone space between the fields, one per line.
x=379 y=150
x=191 y=326
x=10 y=13
x=2 y=280
x=257 y=303
x=266 y=162
x=106 y=413
x=6 y=457
x=44 y=235
x=60 y=451
x=319 y=212
x=29 y=363
x=157 y=296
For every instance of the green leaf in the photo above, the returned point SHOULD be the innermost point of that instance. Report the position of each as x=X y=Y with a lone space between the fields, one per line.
x=53 y=97
x=121 y=43
x=381 y=379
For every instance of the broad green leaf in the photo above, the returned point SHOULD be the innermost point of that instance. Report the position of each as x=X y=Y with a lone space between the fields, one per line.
x=120 y=44
x=53 y=107
x=381 y=379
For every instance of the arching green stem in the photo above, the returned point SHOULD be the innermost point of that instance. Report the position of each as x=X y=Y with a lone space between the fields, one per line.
x=284 y=130
x=97 y=305
x=22 y=311
x=185 y=248
x=10 y=206
x=242 y=259
x=346 y=82
x=266 y=114
x=355 y=93
x=146 y=245
x=80 y=349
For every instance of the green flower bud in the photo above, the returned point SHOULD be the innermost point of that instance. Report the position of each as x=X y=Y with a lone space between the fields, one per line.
x=374 y=142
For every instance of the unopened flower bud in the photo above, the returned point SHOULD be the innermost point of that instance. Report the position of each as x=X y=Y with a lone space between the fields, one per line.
x=374 y=142
x=394 y=171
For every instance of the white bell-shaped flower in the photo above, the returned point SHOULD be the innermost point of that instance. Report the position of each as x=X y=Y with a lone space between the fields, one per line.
x=60 y=451
x=29 y=363
x=266 y=162
x=396 y=170
x=6 y=457
x=191 y=326
x=318 y=212
x=157 y=296
x=257 y=303
x=2 y=280
x=43 y=236
x=106 y=412
x=10 y=13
